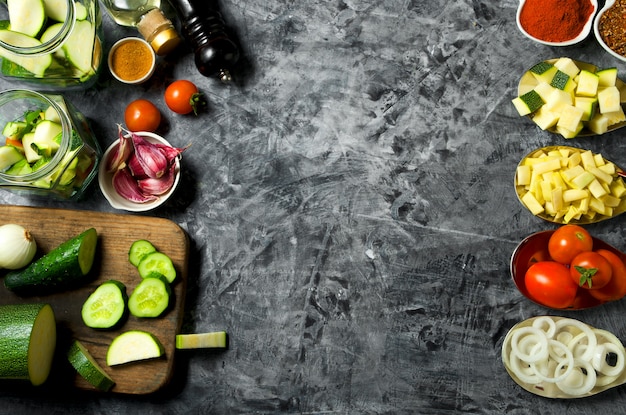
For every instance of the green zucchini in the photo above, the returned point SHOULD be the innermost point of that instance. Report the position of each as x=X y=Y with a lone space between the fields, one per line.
x=157 y=263
x=62 y=267
x=138 y=250
x=86 y=366
x=150 y=298
x=105 y=307
x=27 y=342
x=132 y=346
x=212 y=340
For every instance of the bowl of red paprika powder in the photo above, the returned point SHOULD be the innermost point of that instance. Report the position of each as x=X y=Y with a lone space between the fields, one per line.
x=556 y=22
x=609 y=28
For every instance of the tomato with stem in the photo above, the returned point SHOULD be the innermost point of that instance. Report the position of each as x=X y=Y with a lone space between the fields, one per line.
x=183 y=97
x=142 y=115
x=568 y=241
x=549 y=283
x=616 y=288
x=590 y=270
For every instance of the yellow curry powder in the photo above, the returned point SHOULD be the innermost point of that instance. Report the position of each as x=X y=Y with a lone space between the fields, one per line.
x=131 y=60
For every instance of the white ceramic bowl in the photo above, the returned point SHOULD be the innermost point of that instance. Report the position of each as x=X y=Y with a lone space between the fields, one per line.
x=105 y=180
x=582 y=36
x=596 y=31
x=151 y=57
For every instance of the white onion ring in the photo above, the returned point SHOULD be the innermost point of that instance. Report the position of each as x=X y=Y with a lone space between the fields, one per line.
x=588 y=383
x=588 y=333
x=568 y=362
x=545 y=320
x=599 y=359
x=526 y=375
x=530 y=333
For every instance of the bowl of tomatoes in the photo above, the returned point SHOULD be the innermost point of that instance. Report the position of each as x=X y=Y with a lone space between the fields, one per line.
x=569 y=269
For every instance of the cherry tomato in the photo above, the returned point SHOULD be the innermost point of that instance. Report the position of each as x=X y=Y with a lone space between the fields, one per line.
x=590 y=270
x=567 y=242
x=183 y=97
x=142 y=115
x=616 y=288
x=549 y=283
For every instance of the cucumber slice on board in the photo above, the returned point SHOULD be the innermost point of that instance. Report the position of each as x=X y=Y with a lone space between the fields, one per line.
x=105 y=307
x=26 y=16
x=213 y=340
x=157 y=263
x=65 y=265
x=138 y=250
x=150 y=298
x=27 y=342
x=36 y=65
x=133 y=346
x=86 y=366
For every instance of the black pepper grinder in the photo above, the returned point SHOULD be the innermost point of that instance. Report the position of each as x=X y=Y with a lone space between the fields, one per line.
x=204 y=29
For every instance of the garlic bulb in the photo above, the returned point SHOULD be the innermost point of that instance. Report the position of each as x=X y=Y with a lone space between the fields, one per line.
x=17 y=246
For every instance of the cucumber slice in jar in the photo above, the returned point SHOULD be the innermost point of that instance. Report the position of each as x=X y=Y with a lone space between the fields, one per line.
x=138 y=250
x=157 y=263
x=26 y=16
x=106 y=306
x=150 y=298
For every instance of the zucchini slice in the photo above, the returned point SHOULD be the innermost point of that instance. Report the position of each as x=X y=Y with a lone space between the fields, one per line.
x=86 y=366
x=132 y=346
x=213 y=340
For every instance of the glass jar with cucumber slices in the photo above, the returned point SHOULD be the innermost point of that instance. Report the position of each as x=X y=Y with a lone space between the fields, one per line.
x=53 y=44
x=47 y=147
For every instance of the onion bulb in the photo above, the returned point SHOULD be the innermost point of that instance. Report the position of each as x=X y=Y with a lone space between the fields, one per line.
x=17 y=246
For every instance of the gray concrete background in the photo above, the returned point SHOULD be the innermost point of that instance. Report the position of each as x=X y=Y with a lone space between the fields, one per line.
x=352 y=214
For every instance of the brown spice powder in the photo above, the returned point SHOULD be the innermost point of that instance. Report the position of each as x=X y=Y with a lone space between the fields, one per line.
x=131 y=60
x=613 y=27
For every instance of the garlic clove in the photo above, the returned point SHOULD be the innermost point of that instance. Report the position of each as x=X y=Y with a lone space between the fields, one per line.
x=158 y=186
x=135 y=167
x=151 y=159
x=121 y=153
x=171 y=153
x=126 y=186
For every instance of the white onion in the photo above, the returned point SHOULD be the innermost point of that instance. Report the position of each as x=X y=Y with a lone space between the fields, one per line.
x=17 y=246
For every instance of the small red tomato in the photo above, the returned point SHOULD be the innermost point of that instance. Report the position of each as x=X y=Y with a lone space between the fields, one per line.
x=549 y=283
x=567 y=242
x=142 y=115
x=616 y=288
x=183 y=97
x=590 y=270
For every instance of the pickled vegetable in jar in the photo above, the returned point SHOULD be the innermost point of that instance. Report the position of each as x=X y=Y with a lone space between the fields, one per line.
x=53 y=44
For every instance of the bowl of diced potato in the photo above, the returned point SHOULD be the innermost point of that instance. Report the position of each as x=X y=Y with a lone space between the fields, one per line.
x=572 y=98
x=562 y=184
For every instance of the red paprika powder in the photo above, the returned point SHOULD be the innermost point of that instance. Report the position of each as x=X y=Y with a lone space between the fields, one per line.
x=555 y=20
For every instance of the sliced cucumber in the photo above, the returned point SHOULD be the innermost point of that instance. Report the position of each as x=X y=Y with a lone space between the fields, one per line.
x=52 y=114
x=213 y=340
x=45 y=136
x=86 y=366
x=9 y=155
x=56 y=9
x=36 y=65
x=66 y=265
x=27 y=342
x=150 y=298
x=157 y=263
x=30 y=149
x=79 y=46
x=14 y=129
x=106 y=306
x=132 y=346
x=138 y=250
x=26 y=16
x=49 y=34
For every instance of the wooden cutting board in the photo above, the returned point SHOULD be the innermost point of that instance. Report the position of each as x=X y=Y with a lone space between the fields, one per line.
x=117 y=232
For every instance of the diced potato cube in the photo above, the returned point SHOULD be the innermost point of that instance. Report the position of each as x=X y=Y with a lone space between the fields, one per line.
x=609 y=99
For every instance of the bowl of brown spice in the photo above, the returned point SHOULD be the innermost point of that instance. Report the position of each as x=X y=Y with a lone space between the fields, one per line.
x=610 y=28
x=132 y=60
x=556 y=22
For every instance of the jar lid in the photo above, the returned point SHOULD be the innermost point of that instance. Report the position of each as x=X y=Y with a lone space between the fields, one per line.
x=165 y=41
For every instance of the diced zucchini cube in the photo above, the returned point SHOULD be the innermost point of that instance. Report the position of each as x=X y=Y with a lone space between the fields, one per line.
x=545 y=118
x=558 y=99
x=543 y=71
x=607 y=77
x=571 y=117
x=568 y=66
x=589 y=106
x=599 y=124
x=544 y=89
x=528 y=103
x=587 y=84
x=563 y=81
x=609 y=99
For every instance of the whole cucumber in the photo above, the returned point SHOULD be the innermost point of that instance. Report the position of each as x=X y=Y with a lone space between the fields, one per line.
x=64 y=266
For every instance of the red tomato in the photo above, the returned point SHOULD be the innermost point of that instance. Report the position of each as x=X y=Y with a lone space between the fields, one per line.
x=549 y=283
x=590 y=270
x=616 y=288
x=182 y=97
x=567 y=242
x=142 y=115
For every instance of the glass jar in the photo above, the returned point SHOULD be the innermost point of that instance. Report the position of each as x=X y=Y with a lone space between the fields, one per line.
x=64 y=171
x=63 y=51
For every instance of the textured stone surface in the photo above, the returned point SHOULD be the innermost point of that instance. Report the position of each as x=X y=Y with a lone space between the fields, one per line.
x=351 y=210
